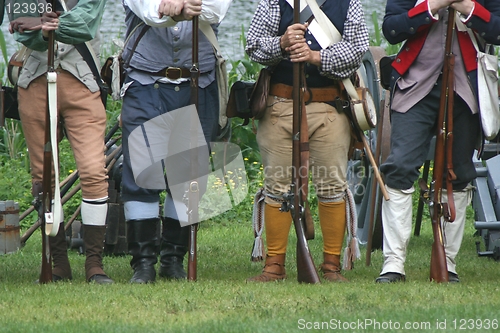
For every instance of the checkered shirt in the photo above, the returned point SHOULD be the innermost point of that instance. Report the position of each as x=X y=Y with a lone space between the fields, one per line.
x=338 y=61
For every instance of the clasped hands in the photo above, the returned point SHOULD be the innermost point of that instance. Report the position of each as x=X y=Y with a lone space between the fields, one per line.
x=180 y=10
x=49 y=21
x=293 y=42
x=462 y=6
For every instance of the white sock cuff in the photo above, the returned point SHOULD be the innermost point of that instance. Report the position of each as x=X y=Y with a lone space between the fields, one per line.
x=94 y=213
x=138 y=210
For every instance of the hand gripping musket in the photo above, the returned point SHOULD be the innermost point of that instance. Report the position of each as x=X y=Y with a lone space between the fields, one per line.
x=444 y=141
x=193 y=194
x=50 y=221
x=294 y=199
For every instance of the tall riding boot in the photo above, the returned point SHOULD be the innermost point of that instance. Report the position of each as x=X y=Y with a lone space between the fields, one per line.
x=142 y=237
x=59 y=250
x=396 y=222
x=173 y=247
x=332 y=218
x=93 y=239
x=454 y=232
x=277 y=226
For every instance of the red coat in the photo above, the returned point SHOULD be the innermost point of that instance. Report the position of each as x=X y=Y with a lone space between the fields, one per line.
x=405 y=21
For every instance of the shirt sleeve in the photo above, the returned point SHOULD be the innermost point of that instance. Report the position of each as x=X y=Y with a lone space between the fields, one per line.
x=147 y=11
x=342 y=59
x=213 y=11
x=263 y=42
x=81 y=23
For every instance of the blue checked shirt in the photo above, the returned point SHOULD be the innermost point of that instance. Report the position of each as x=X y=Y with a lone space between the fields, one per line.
x=338 y=61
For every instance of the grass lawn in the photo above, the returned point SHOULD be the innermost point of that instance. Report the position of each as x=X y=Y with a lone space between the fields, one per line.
x=221 y=300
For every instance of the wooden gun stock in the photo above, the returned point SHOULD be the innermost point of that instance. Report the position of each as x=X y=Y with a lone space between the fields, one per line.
x=439 y=269
x=46 y=204
x=306 y=271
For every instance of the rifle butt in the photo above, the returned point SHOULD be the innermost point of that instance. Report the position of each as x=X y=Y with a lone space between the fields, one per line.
x=46 y=268
x=306 y=271
x=439 y=268
x=192 y=257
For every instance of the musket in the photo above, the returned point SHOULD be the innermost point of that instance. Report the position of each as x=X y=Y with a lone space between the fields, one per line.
x=68 y=182
x=46 y=204
x=193 y=194
x=444 y=136
x=294 y=200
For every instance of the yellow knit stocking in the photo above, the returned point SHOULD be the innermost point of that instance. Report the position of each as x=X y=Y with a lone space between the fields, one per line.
x=277 y=226
x=332 y=218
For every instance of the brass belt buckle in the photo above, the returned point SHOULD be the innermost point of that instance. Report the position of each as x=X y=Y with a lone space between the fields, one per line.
x=169 y=73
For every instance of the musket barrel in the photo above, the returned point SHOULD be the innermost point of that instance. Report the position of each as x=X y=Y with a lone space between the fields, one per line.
x=193 y=196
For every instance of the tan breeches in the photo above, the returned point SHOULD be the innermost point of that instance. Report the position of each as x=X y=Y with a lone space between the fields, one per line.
x=84 y=120
x=329 y=139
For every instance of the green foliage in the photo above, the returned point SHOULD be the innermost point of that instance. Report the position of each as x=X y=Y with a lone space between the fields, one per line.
x=3 y=47
x=376 y=38
x=15 y=182
x=243 y=69
x=13 y=145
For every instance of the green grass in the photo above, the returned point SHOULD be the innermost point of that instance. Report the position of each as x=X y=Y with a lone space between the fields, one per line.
x=221 y=300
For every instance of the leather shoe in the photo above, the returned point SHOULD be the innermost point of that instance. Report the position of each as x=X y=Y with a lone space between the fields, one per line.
x=453 y=277
x=100 y=279
x=390 y=277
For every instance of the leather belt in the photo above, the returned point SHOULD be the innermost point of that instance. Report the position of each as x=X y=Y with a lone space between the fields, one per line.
x=324 y=94
x=172 y=73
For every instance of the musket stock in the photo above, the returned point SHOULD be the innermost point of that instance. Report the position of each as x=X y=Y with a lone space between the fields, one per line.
x=306 y=271
x=46 y=204
x=439 y=210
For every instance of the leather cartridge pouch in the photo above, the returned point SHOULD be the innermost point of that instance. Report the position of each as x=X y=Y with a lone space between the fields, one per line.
x=260 y=93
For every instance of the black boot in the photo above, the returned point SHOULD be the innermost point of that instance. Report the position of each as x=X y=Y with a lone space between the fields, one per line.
x=173 y=248
x=142 y=237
